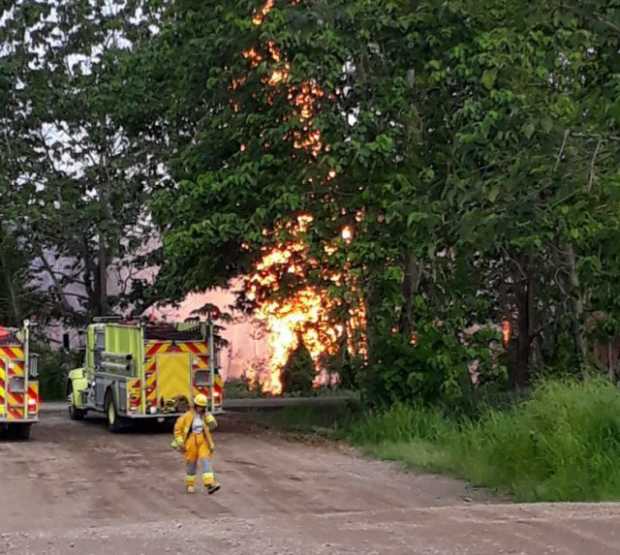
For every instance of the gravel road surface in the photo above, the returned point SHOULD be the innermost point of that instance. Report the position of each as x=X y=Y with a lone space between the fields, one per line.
x=76 y=488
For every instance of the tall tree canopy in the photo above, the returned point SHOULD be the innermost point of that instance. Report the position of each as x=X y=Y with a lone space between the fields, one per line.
x=79 y=184
x=424 y=167
x=469 y=148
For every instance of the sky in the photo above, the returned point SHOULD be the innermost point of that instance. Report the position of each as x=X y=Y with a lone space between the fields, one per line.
x=246 y=344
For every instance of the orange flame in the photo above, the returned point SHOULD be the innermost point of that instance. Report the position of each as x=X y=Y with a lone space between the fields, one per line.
x=506 y=332
x=261 y=14
x=307 y=314
x=347 y=234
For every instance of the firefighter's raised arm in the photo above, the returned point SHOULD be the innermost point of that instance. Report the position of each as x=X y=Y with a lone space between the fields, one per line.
x=211 y=421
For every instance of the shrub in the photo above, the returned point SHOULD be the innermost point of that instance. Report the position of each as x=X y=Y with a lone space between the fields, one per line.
x=298 y=374
x=53 y=369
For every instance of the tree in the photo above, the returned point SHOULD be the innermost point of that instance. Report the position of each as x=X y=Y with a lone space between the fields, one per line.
x=82 y=186
x=454 y=158
x=298 y=374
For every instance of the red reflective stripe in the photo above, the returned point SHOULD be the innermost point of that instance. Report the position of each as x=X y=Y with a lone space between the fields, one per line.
x=16 y=398
x=154 y=349
x=8 y=352
x=193 y=348
x=16 y=412
x=13 y=370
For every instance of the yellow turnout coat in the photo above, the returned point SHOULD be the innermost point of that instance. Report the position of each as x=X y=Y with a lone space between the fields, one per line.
x=197 y=445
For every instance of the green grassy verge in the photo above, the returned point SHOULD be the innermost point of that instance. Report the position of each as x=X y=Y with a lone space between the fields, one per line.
x=563 y=444
x=237 y=389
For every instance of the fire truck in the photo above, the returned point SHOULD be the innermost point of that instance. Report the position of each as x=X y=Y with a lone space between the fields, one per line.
x=19 y=388
x=137 y=371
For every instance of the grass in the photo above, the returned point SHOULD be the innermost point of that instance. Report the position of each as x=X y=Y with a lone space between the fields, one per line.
x=238 y=389
x=562 y=444
x=332 y=421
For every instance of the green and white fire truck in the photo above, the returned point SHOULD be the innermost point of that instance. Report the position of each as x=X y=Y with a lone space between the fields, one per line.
x=136 y=371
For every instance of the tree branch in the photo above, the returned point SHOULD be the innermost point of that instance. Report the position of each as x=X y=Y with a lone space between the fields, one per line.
x=561 y=153
x=592 y=163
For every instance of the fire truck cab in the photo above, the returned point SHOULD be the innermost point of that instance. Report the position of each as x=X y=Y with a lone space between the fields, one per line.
x=19 y=388
x=138 y=371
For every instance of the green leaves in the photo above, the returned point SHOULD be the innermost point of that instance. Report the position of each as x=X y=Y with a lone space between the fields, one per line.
x=473 y=138
x=529 y=129
x=494 y=192
x=488 y=78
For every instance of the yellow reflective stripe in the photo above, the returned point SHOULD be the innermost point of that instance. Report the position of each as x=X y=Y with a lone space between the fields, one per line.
x=17 y=370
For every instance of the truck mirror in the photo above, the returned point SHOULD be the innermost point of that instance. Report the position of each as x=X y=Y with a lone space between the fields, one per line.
x=33 y=367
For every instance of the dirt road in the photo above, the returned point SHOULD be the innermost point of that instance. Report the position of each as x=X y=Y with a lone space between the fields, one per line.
x=75 y=488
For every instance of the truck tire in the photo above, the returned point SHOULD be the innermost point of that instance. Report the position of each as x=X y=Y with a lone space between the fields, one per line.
x=111 y=414
x=22 y=431
x=74 y=413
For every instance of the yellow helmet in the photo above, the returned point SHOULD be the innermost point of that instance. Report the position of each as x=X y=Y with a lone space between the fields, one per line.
x=200 y=400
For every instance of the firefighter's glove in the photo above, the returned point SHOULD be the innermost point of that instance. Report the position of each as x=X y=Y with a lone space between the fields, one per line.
x=211 y=422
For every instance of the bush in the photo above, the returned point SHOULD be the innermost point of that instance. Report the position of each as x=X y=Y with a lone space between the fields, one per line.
x=298 y=374
x=240 y=389
x=433 y=371
x=53 y=369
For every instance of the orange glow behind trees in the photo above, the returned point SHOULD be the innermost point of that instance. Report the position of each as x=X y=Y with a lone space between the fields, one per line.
x=306 y=311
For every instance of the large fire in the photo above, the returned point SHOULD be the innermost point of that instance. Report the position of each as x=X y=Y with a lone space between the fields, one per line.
x=307 y=313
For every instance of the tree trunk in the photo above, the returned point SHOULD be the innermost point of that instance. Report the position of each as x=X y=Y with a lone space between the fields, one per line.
x=10 y=287
x=411 y=283
x=520 y=375
x=581 y=343
x=610 y=365
x=90 y=277
x=102 y=288
x=371 y=335
x=58 y=288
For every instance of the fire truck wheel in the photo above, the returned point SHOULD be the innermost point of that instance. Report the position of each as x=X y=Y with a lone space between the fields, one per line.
x=22 y=431
x=114 y=420
x=75 y=413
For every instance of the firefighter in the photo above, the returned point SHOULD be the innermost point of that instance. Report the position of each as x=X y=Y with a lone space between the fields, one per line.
x=192 y=436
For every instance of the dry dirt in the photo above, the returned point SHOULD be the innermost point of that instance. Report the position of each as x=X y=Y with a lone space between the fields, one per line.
x=75 y=488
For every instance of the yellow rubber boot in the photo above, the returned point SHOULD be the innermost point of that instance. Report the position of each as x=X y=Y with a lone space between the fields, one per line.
x=190 y=484
x=209 y=481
